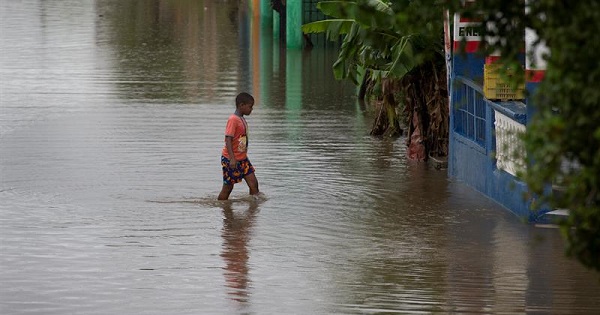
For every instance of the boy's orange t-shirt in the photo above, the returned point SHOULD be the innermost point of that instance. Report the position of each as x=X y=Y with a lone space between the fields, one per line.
x=238 y=130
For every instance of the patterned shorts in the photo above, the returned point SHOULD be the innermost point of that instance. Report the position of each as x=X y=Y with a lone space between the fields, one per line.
x=235 y=175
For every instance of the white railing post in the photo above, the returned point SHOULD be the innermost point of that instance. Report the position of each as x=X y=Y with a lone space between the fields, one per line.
x=509 y=146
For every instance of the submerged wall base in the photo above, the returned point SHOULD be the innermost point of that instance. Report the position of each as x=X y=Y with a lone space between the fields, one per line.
x=475 y=166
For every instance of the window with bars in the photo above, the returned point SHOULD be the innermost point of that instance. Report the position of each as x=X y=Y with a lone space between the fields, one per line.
x=312 y=14
x=469 y=111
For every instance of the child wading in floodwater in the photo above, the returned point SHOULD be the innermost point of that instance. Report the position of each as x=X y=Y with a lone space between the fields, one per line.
x=234 y=159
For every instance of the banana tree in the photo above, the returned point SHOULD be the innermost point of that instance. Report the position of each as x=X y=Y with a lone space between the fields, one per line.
x=383 y=48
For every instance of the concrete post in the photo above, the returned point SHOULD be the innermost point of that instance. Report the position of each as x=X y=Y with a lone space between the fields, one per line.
x=276 y=21
x=294 y=23
x=266 y=14
x=266 y=65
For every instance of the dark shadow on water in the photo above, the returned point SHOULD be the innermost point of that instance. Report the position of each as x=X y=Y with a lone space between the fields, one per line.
x=238 y=220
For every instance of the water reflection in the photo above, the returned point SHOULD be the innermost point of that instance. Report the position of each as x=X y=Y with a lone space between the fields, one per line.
x=236 y=233
x=176 y=50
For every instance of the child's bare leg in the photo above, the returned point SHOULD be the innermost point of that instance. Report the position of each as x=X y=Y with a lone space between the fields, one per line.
x=252 y=183
x=225 y=192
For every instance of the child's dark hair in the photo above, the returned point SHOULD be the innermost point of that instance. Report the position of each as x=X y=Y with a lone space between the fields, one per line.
x=244 y=98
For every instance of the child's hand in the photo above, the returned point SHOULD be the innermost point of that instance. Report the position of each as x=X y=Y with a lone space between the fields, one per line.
x=232 y=163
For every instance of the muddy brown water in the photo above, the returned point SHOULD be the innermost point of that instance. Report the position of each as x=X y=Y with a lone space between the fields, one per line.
x=112 y=116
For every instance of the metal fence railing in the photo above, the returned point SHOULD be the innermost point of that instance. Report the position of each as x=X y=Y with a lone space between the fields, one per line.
x=469 y=110
x=313 y=14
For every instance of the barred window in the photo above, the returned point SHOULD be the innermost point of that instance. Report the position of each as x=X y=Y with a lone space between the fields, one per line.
x=469 y=111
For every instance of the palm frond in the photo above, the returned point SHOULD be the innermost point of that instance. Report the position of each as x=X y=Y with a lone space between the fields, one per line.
x=333 y=28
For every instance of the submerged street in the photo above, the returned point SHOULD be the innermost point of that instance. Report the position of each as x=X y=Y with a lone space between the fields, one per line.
x=112 y=116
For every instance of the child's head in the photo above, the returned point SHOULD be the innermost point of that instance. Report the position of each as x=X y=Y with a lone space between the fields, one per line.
x=244 y=98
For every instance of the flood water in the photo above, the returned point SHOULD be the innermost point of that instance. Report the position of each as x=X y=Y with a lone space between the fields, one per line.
x=112 y=117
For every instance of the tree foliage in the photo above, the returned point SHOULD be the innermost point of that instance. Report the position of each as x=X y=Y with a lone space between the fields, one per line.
x=396 y=47
x=371 y=40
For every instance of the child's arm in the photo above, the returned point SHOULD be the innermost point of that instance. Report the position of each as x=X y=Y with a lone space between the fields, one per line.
x=229 y=145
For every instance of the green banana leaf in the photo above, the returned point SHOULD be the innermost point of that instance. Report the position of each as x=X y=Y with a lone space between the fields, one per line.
x=347 y=9
x=333 y=27
x=405 y=59
x=351 y=10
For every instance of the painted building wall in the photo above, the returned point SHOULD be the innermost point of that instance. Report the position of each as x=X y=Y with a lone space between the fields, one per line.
x=473 y=146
